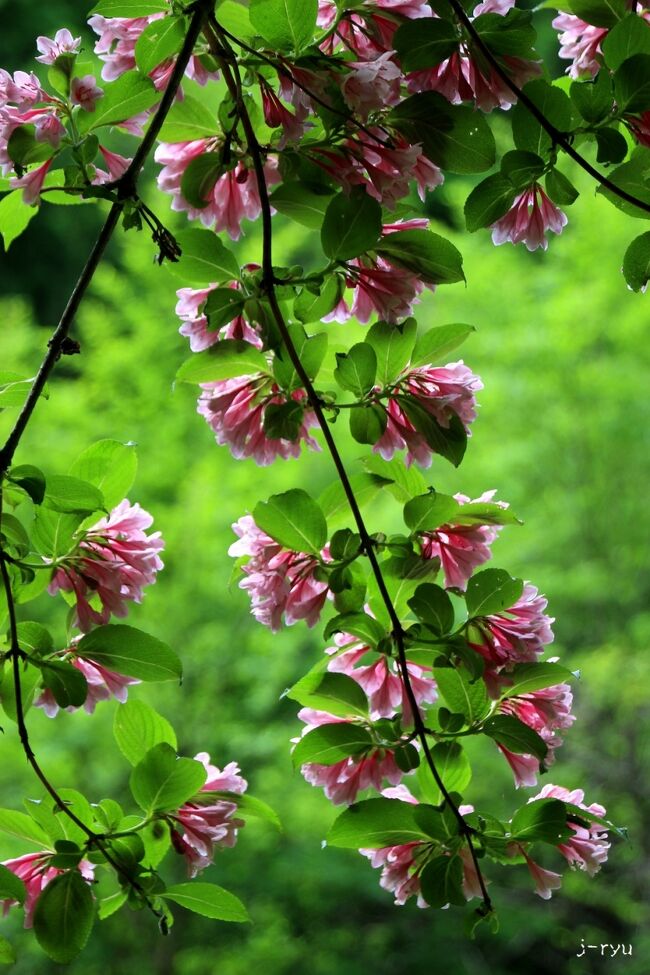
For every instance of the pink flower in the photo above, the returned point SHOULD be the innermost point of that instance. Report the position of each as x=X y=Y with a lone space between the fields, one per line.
x=546 y=881
x=25 y=90
x=546 y=712
x=235 y=409
x=233 y=197
x=532 y=214
x=279 y=581
x=443 y=392
x=85 y=92
x=580 y=43
x=206 y=825
x=461 y=548
x=34 y=871
x=103 y=684
x=369 y=30
x=372 y=84
x=112 y=563
x=63 y=43
x=117 y=166
x=517 y=635
x=277 y=115
x=587 y=848
x=189 y=309
x=381 y=680
x=49 y=128
x=343 y=780
x=639 y=126
x=32 y=183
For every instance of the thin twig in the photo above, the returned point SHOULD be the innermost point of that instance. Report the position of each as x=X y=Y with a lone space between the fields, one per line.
x=217 y=43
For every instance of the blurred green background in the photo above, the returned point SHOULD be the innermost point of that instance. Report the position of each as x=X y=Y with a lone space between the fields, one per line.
x=562 y=434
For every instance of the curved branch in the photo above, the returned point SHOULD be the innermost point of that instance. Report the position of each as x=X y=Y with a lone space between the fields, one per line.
x=219 y=45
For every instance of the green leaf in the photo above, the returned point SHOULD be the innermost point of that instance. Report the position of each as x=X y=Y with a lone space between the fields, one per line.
x=522 y=168
x=448 y=441
x=35 y=639
x=208 y=900
x=600 y=13
x=130 y=8
x=30 y=681
x=441 y=882
x=555 y=106
x=406 y=481
x=310 y=351
x=359 y=625
x=31 y=479
x=351 y=226
x=199 y=178
x=223 y=360
x=331 y=743
x=633 y=177
x=393 y=345
x=21 y=825
x=627 y=37
x=68 y=685
x=250 y=807
x=235 y=18
x=436 y=343
x=594 y=99
x=109 y=465
x=560 y=189
x=14 y=217
x=297 y=201
x=72 y=495
x=636 y=263
x=492 y=591
x=11 y=886
x=23 y=149
x=159 y=41
x=424 y=43
x=356 y=370
x=460 y=694
x=510 y=35
x=161 y=781
x=294 y=520
x=527 y=678
x=7 y=953
x=53 y=533
x=310 y=307
x=432 y=258
x=376 y=823
x=64 y=916
x=188 y=120
x=131 y=652
x=453 y=767
x=543 y=819
x=368 y=423
x=129 y=95
x=454 y=137
x=432 y=606
x=489 y=201
x=137 y=729
x=632 y=84
x=516 y=736
x=285 y=24
x=204 y=259
x=13 y=388
x=429 y=511
x=337 y=694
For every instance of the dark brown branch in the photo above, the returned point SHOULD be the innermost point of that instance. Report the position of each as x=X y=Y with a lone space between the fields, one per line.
x=559 y=138
x=218 y=44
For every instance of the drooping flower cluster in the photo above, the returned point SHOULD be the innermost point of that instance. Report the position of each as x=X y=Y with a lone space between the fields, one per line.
x=529 y=219
x=547 y=712
x=102 y=684
x=204 y=824
x=190 y=308
x=281 y=583
x=114 y=560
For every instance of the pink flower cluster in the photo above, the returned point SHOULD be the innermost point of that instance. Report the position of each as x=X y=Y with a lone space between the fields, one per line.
x=517 y=635
x=110 y=566
x=235 y=409
x=103 y=684
x=546 y=711
x=190 y=310
x=280 y=582
x=529 y=219
x=233 y=196
x=443 y=392
x=461 y=548
x=36 y=873
x=201 y=825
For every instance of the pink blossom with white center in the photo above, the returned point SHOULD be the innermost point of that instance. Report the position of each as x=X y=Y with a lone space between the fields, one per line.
x=233 y=197
x=518 y=634
x=48 y=128
x=587 y=848
x=32 y=183
x=189 y=309
x=381 y=680
x=580 y=43
x=371 y=85
x=63 y=43
x=344 y=780
x=34 y=871
x=235 y=409
x=443 y=392
x=103 y=684
x=279 y=581
x=85 y=92
x=529 y=219
x=461 y=548
x=112 y=563
x=204 y=825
